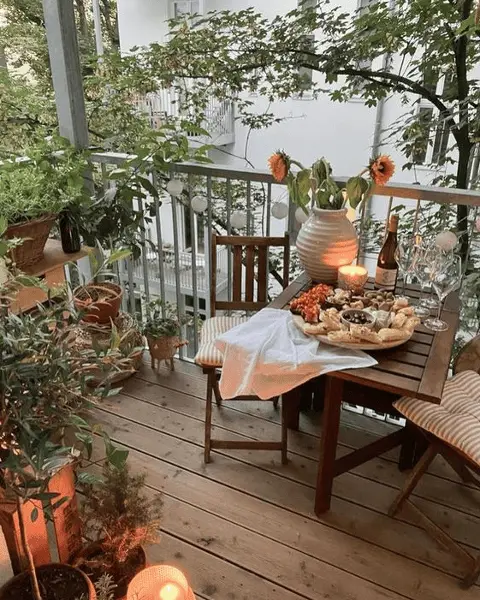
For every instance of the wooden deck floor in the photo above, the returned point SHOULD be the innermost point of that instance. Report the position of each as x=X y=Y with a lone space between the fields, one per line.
x=243 y=527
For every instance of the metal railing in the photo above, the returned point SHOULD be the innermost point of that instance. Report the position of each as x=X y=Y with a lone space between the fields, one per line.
x=166 y=104
x=239 y=201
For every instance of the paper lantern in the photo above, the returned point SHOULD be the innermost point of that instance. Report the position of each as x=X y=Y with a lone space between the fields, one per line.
x=279 y=210
x=446 y=240
x=238 y=220
x=199 y=204
x=175 y=187
x=300 y=215
x=160 y=582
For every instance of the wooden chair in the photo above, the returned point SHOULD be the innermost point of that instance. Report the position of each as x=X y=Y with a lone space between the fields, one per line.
x=452 y=429
x=250 y=257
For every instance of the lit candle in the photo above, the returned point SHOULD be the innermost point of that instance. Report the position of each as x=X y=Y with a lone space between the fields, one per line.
x=352 y=277
x=171 y=591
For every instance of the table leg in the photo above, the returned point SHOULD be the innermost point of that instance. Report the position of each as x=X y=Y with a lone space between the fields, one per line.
x=292 y=401
x=328 y=443
x=413 y=448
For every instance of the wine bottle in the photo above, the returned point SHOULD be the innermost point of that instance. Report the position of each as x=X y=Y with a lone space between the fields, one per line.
x=69 y=233
x=387 y=267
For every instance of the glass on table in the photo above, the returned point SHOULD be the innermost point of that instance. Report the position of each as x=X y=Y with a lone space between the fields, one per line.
x=423 y=272
x=406 y=255
x=446 y=278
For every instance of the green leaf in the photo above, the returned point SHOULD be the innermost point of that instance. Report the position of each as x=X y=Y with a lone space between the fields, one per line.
x=117 y=457
x=118 y=255
x=303 y=181
x=3 y=225
x=356 y=187
x=148 y=185
x=34 y=515
x=59 y=503
x=117 y=173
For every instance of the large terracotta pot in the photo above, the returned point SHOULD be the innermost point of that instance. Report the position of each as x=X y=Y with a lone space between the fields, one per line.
x=326 y=241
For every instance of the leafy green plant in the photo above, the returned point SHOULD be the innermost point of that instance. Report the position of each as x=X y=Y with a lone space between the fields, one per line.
x=119 y=517
x=163 y=319
x=44 y=390
x=46 y=181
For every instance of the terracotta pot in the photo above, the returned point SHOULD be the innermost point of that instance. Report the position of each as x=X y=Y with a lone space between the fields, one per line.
x=326 y=241
x=71 y=582
x=136 y=562
x=35 y=234
x=98 y=311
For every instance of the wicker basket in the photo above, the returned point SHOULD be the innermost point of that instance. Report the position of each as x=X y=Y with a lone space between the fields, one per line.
x=35 y=234
x=164 y=348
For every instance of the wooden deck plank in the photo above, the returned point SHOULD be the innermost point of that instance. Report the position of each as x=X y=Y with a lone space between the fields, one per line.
x=292 y=531
x=361 y=430
x=274 y=489
x=430 y=488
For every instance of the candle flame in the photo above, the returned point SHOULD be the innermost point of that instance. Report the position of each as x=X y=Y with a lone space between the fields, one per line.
x=170 y=591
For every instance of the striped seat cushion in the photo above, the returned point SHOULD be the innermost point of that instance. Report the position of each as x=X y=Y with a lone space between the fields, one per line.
x=456 y=420
x=208 y=355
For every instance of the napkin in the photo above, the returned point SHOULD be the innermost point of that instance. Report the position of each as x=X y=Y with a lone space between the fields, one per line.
x=268 y=355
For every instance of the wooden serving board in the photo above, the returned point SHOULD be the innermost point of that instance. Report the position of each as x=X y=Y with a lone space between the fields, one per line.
x=299 y=322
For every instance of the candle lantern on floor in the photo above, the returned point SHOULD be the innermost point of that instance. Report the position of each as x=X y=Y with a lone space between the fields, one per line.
x=160 y=582
x=352 y=277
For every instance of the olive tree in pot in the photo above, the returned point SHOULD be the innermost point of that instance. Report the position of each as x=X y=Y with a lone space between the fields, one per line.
x=44 y=397
x=162 y=329
x=121 y=519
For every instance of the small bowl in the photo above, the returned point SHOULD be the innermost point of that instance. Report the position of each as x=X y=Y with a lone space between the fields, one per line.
x=366 y=318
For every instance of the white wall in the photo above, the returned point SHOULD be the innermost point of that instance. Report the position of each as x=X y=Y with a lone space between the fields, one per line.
x=141 y=22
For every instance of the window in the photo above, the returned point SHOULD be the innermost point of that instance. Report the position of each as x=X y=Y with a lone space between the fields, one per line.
x=306 y=73
x=185 y=7
x=198 y=231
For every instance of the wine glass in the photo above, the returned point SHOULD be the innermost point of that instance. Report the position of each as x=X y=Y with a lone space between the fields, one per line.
x=446 y=277
x=406 y=255
x=423 y=272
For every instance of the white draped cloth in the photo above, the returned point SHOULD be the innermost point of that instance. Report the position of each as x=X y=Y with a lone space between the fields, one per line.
x=268 y=355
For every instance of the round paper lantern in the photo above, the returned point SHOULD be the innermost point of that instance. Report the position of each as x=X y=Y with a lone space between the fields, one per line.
x=238 y=220
x=199 y=204
x=279 y=210
x=300 y=215
x=160 y=582
x=446 y=240
x=175 y=187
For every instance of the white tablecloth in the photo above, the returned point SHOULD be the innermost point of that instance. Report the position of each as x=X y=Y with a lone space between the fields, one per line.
x=268 y=355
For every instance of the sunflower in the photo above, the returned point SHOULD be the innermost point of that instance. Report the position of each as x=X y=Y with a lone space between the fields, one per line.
x=381 y=169
x=279 y=164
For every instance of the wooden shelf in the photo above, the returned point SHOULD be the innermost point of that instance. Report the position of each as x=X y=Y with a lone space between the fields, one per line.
x=54 y=257
x=51 y=269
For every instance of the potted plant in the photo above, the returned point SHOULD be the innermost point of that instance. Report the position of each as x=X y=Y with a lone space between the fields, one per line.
x=100 y=301
x=120 y=519
x=162 y=330
x=34 y=191
x=44 y=393
x=327 y=239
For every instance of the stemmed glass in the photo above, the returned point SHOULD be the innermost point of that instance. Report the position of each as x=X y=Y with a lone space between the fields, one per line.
x=423 y=272
x=406 y=255
x=446 y=277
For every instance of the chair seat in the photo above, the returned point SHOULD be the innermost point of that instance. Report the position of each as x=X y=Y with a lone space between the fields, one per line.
x=456 y=420
x=208 y=354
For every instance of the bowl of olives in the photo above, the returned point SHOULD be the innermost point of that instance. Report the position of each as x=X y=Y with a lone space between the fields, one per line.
x=355 y=316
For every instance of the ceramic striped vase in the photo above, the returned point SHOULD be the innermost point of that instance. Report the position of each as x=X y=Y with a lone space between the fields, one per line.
x=326 y=241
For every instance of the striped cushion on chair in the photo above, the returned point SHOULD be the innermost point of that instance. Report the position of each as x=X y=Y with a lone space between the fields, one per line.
x=208 y=355
x=456 y=420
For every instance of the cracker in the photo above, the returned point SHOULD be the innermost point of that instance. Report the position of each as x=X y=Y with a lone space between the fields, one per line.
x=315 y=328
x=408 y=310
x=343 y=337
x=411 y=323
x=399 y=320
x=365 y=334
x=393 y=335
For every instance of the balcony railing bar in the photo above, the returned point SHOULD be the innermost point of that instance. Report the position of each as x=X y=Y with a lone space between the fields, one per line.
x=177 y=263
x=144 y=253
x=210 y=231
x=158 y=227
x=194 y=265
x=229 y=231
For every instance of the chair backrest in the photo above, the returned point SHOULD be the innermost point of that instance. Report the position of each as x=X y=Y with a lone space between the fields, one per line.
x=252 y=253
x=468 y=359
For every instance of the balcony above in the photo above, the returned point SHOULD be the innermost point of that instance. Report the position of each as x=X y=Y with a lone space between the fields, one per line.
x=166 y=103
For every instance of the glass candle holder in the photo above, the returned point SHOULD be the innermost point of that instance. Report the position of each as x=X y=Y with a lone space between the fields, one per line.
x=352 y=277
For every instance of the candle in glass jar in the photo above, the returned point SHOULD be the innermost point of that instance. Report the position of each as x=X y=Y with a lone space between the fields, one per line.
x=352 y=277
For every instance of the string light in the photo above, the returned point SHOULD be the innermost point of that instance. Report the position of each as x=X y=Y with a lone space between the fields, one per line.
x=175 y=187
x=199 y=204
x=238 y=220
x=279 y=210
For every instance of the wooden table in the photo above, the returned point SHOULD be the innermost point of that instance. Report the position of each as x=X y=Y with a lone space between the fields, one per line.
x=417 y=369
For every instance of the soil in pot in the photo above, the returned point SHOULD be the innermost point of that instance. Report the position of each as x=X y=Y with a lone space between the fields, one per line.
x=122 y=573
x=56 y=581
x=100 y=301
